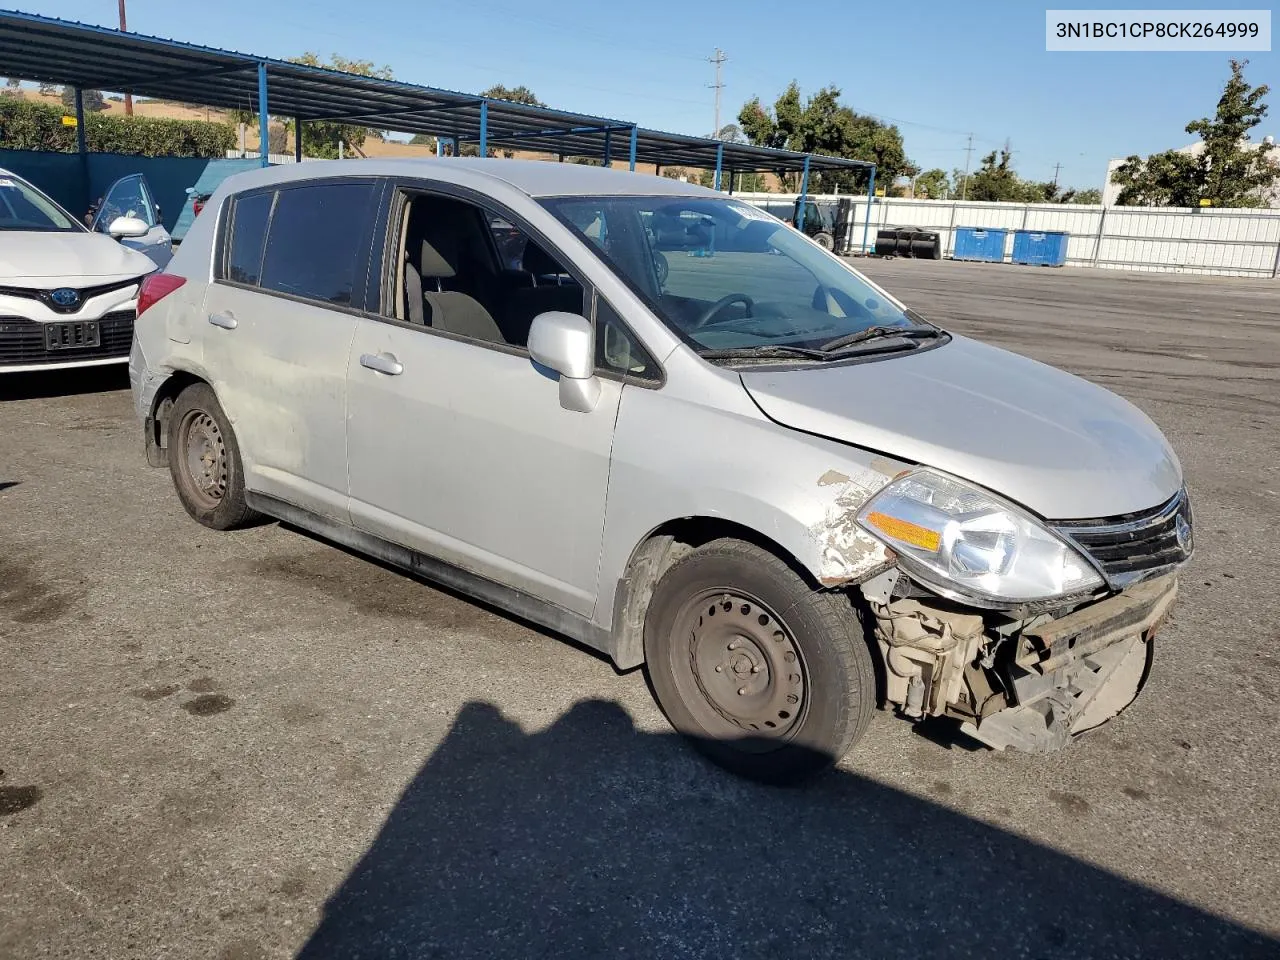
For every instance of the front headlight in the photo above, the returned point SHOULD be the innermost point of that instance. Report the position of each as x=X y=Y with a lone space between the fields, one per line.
x=963 y=540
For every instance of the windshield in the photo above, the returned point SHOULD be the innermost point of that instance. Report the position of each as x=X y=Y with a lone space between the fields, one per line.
x=23 y=207
x=726 y=276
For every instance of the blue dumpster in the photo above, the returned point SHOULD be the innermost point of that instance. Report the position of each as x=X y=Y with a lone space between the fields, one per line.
x=980 y=243
x=1044 y=248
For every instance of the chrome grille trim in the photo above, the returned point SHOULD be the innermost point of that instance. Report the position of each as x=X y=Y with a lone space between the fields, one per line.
x=1133 y=547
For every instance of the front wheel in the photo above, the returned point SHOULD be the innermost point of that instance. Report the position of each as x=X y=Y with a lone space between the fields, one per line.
x=768 y=677
x=824 y=240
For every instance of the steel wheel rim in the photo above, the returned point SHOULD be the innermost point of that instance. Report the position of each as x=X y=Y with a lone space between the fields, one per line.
x=205 y=457
x=739 y=669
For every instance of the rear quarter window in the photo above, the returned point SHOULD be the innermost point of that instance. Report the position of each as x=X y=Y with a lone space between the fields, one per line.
x=249 y=215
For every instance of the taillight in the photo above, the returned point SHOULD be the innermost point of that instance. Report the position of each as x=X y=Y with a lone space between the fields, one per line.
x=155 y=287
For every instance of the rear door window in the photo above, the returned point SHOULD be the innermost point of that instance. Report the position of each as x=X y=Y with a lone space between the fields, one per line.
x=249 y=216
x=317 y=240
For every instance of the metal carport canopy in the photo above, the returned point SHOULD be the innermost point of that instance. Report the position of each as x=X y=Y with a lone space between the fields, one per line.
x=84 y=56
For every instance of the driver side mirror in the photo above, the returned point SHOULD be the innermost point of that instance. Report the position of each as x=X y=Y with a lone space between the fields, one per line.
x=127 y=228
x=564 y=342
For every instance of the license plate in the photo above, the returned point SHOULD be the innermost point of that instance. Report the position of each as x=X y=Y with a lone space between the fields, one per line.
x=69 y=336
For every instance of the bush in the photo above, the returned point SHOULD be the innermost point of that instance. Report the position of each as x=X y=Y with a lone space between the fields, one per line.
x=25 y=125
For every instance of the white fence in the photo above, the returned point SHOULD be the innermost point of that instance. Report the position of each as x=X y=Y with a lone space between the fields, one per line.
x=1243 y=243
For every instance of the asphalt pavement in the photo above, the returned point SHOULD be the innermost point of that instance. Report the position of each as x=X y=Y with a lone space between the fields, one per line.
x=254 y=744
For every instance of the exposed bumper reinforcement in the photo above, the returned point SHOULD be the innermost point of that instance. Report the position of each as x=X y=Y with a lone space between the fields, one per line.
x=1076 y=672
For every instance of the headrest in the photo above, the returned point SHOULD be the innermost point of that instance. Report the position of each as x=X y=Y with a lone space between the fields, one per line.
x=434 y=264
x=537 y=261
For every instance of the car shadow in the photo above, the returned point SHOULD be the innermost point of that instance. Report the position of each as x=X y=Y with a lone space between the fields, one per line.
x=594 y=839
x=61 y=383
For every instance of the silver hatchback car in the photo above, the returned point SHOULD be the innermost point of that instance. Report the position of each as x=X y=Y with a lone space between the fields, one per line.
x=661 y=422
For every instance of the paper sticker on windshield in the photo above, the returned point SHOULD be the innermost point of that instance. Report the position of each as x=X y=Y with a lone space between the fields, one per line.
x=6 y=182
x=749 y=212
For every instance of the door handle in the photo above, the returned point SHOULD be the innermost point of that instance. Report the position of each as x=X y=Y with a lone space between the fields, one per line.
x=383 y=363
x=224 y=320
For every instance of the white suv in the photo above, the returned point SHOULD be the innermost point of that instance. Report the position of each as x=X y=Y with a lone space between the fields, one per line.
x=675 y=429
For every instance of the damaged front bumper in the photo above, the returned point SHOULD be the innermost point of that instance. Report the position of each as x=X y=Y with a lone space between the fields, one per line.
x=1030 y=684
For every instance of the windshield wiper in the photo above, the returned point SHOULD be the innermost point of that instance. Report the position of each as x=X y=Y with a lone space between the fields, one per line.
x=878 y=332
x=764 y=351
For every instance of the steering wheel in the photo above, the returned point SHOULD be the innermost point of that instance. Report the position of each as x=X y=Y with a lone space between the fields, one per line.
x=719 y=305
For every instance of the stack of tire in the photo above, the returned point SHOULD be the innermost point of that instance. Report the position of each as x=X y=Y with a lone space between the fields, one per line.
x=908 y=242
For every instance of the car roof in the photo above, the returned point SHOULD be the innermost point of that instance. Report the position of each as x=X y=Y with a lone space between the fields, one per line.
x=536 y=178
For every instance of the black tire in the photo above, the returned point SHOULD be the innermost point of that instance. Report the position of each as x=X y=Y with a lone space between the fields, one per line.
x=798 y=657
x=824 y=240
x=204 y=461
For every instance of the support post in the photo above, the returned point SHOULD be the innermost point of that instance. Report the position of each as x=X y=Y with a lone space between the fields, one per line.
x=804 y=192
x=484 y=128
x=733 y=179
x=264 y=133
x=952 y=229
x=871 y=195
x=607 y=134
x=1102 y=222
x=657 y=169
x=439 y=146
x=297 y=139
x=719 y=164
x=635 y=132
x=82 y=146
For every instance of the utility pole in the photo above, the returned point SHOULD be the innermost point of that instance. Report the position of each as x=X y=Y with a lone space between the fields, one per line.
x=964 y=184
x=1056 y=168
x=718 y=59
x=128 y=97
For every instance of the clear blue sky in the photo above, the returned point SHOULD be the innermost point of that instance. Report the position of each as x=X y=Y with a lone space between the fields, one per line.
x=938 y=68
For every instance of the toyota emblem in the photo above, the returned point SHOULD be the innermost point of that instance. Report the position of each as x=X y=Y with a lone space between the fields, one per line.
x=65 y=297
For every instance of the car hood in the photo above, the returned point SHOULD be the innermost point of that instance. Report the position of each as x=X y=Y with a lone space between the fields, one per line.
x=1055 y=443
x=42 y=259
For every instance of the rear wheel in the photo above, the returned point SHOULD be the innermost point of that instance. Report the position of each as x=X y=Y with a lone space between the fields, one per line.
x=204 y=461
x=768 y=677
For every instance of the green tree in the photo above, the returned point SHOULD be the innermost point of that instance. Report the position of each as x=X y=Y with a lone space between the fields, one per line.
x=93 y=100
x=1226 y=172
x=424 y=140
x=933 y=184
x=320 y=138
x=821 y=124
x=1090 y=195
x=47 y=89
x=520 y=94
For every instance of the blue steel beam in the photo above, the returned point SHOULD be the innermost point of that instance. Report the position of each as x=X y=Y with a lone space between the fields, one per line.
x=635 y=132
x=719 y=163
x=804 y=193
x=81 y=145
x=413 y=113
x=535 y=134
x=264 y=139
x=871 y=192
x=484 y=129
